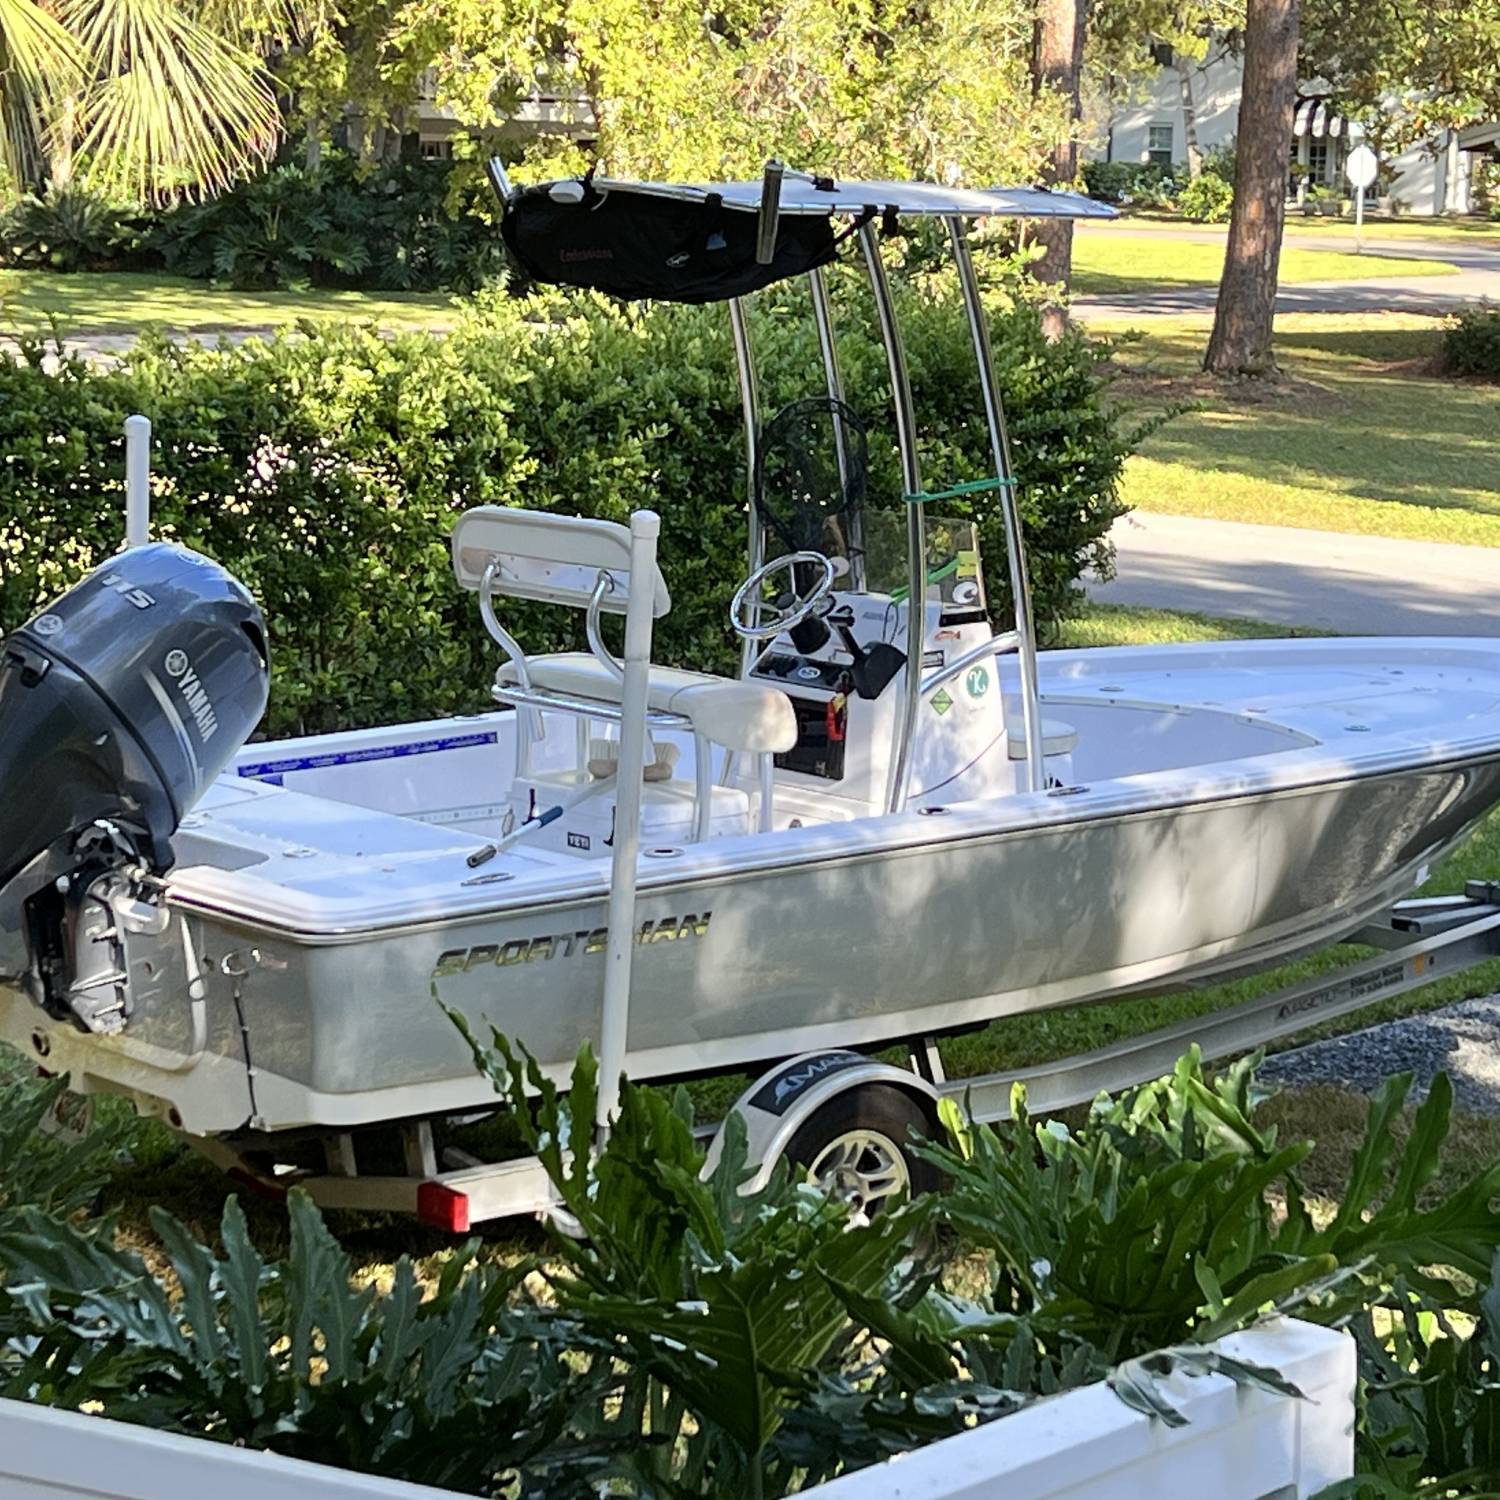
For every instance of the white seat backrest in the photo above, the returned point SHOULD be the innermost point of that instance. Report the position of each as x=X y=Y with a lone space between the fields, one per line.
x=553 y=558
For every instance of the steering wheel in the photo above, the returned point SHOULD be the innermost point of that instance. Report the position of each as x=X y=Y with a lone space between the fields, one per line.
x=781 y=618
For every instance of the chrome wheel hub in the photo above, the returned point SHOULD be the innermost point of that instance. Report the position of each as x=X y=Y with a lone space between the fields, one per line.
x=861 y=1168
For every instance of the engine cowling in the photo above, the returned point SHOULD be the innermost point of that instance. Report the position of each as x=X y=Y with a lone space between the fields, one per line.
x=119 y=705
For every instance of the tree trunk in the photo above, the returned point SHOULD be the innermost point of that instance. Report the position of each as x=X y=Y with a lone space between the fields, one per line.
x=1057 y=64
x=1189 y=118
x=1241 y=340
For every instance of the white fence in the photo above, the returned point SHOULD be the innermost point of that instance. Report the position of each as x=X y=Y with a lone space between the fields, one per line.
x=1238 y=1445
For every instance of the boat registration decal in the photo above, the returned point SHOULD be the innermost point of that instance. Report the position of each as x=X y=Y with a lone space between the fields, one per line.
x=373 y=752
x=566 y=945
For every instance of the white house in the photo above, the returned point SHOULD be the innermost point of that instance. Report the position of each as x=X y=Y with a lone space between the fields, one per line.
x=1183 y=103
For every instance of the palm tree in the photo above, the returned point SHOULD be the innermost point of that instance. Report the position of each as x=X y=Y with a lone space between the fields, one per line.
x=157 y=98
x=40 y=66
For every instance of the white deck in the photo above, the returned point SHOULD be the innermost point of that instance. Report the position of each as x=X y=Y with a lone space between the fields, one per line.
x=377 y=827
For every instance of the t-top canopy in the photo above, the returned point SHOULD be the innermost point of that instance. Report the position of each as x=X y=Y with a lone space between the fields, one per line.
x=804 y=194
x=704 y=242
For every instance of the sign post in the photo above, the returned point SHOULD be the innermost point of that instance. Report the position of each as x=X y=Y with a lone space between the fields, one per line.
x=1360 y=169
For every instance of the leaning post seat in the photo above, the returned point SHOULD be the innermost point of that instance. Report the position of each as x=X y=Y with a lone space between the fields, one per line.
x=585 y=563
x=742 y=716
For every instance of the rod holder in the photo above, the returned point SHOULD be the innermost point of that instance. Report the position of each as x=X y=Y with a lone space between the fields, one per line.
x=770 y=213
x=137 y=481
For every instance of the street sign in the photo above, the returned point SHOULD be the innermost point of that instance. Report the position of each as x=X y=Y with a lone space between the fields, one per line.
x=1361 y=167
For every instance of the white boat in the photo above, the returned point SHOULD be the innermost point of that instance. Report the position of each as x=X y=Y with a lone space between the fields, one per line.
x=875 y=834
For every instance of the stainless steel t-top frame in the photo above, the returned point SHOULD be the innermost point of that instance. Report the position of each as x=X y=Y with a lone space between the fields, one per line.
x=782 y=193
x=1023 y=638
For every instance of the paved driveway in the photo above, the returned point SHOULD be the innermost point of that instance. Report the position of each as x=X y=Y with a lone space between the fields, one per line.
x=1354 y=585
x=1477 y=279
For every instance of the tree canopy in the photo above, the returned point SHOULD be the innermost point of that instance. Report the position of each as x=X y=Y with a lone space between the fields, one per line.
x=670 y=88
x=1407 y=68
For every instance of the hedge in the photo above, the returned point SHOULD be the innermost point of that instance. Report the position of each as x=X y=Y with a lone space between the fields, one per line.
x=1471 y=342
x=409 y=225
x=326 y=467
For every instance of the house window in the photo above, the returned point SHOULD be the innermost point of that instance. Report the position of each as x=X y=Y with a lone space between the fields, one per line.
x=438 y=150
x=1159 y=150
x=1317 y=159
x=1162 y=54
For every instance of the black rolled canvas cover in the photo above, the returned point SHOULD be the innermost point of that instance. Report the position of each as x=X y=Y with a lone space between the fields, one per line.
x=639 y=245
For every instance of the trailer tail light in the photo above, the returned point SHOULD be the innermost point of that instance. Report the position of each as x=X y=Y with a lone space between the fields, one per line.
x=442 y=1207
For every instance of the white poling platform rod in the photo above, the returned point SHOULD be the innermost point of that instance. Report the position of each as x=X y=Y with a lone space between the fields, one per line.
x=137 y=481
x=645 y=527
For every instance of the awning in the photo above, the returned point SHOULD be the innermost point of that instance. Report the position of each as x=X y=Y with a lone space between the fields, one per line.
x=1480 y=137
x=1316 y=117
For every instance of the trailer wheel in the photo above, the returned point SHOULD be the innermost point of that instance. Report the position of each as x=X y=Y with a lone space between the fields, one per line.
x=858 y=1147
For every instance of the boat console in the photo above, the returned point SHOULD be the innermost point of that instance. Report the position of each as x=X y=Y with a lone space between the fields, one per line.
x=806 y=736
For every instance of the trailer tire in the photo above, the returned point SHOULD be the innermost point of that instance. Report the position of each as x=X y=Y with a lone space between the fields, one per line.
x=859 y=1146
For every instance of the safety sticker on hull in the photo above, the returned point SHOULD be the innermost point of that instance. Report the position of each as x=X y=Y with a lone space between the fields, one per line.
x=941 y=702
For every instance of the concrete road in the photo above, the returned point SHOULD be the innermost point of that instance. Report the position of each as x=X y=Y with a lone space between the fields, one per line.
x=1477 y=279
x=1435 y=295
x=1354 y=585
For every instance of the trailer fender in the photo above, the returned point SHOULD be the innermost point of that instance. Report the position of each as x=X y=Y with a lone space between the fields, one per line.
x=776 y=1106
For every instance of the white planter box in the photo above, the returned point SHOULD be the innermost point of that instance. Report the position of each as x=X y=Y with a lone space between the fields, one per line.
x=1238 y=1445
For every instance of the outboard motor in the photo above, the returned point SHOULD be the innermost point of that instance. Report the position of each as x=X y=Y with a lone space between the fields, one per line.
x=119 y=704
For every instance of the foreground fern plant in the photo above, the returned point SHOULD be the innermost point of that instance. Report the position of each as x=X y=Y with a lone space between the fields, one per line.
x=700 y=1342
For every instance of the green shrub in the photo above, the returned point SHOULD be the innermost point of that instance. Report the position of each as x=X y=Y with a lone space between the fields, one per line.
x=69 y=228
x=1207 y=199
x=1219 y=161
x=1471 y=343
x=326 y=469
x=395 y=226
x=1129 y=181
x=40 y=1169
x=438 y=1385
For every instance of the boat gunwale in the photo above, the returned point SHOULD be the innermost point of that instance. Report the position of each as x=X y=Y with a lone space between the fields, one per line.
x=658 y=882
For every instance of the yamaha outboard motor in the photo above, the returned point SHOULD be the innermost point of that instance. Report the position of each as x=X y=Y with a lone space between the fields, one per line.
x=119 y=704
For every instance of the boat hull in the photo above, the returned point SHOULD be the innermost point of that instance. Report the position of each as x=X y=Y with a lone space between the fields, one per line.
x=856 y=949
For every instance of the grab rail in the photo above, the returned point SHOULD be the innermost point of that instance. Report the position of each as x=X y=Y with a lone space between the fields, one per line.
x=586 y=708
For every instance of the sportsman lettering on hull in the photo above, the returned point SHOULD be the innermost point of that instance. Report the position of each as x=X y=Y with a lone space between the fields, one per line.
x=565 y=944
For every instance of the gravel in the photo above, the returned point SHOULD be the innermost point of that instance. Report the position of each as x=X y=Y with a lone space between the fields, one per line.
x=1461 y=1040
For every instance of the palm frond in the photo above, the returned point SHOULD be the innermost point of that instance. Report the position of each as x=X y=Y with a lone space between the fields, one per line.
x=255 y=24
x=175 y=108
x=40 y=63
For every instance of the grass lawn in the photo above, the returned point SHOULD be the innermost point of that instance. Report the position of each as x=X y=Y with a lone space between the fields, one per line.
x=127 y=301
x=1359 y=435
x=1118 y=262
